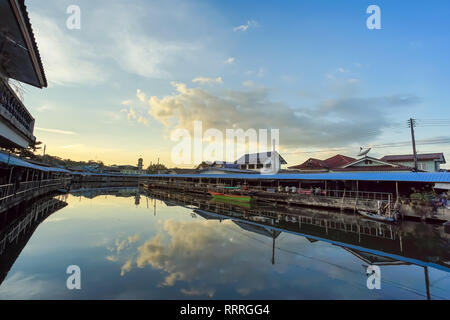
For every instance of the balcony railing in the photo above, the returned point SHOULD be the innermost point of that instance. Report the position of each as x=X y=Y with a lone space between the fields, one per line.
x=9 y=192
x=12 y=109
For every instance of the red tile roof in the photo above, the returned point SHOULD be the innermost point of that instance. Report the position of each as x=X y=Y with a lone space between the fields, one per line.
x=338 y=161
x=311 y=164
x=410 y=157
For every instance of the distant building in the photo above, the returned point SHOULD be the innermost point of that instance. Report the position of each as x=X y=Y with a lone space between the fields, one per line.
x=430 y=162
x=122 y=169
x=369 y=164
x=340 y=163
x=140 y=164
x=258 y=162
x=315 y=165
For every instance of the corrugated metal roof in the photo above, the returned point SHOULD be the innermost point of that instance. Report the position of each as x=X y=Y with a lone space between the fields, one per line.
x=410 y=157
x=14 y=161
x=361 y=176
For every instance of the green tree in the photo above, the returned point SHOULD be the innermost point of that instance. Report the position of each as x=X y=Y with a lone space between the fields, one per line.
x=155 y=168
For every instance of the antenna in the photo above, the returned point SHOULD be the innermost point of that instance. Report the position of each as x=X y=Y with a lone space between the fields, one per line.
x=363 y=152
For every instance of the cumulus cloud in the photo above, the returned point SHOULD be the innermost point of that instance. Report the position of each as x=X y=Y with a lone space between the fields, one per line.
x=184 y=257
x=140 y=95
x=207 y=80
x=133 y=115
x=329 y=123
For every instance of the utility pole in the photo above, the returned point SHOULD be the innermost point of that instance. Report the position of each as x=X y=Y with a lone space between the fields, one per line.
x=412 y=124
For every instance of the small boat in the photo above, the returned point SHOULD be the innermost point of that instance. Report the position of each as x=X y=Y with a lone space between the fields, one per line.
x=231 y=202
x=378 y=217
x=229 y=196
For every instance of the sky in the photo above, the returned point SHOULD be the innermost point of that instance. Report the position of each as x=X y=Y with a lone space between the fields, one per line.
x=136 y=71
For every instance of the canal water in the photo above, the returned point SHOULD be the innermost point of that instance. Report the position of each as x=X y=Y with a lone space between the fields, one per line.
x=131 y=244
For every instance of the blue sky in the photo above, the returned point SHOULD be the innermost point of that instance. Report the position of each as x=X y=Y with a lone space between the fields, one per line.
x=137 y=70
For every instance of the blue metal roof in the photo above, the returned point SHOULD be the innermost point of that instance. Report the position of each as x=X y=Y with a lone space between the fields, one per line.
x=363 y=176
x=14 y=161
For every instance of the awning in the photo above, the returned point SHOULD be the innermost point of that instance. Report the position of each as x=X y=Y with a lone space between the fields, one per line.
x=14 y=161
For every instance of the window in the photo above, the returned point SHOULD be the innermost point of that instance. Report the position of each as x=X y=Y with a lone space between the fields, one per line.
x=259 y=166
x=251 y=166
x=422 y=166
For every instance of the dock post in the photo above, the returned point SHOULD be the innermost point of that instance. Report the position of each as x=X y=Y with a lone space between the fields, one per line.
x=427 y=283
x=343 y=197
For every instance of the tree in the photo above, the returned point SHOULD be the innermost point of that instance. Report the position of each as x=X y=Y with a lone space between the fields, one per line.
x=155 y=168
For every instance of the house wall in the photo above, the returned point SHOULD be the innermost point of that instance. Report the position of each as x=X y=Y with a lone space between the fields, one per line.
x=253 y=167
x=429 y=165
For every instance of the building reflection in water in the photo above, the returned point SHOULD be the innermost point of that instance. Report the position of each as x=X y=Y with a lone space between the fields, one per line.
x=18 y=225
x=374 y=243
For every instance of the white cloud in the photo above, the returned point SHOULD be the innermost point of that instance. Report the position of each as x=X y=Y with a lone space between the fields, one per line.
x=204 y=80
x=146 y=56
x=230 y=60
x=44 y=108
x=66 y=60
x=55 y=131
x=140 y=95
x=345 y=120
x=127 y=102
x=131 y=114
x=244 y=27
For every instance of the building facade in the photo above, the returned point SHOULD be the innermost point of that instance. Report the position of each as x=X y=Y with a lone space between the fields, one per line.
x=20 y=61
x=430 y=162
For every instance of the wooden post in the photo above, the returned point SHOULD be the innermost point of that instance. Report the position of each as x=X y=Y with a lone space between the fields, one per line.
x=389 y=205
x=10 y=175
x=343 y=197
x=396 y=191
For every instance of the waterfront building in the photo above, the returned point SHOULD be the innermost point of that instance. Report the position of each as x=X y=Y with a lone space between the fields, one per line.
x=20 y=61
x=370 y=164
x=340 y=163
x=430 y=162
x=261 y=161
x=123 y=169
x=221 y=167
x=316 y=165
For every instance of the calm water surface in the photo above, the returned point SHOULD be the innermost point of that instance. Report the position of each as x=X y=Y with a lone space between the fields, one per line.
x=132 y=246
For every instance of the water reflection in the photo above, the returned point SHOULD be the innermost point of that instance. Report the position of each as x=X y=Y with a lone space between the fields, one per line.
x=132 y=243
